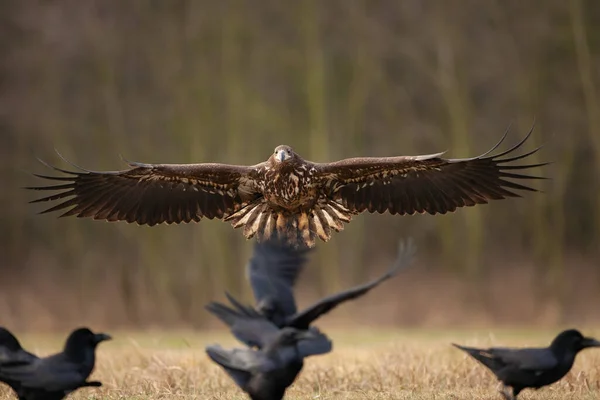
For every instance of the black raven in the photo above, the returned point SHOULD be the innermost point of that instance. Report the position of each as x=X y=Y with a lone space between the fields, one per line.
x=265 y=374
x=11 y=353
x=53 y=377
x=532 y=367
x=273 y=271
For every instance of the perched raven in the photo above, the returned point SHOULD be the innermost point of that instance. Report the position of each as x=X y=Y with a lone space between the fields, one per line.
x=265 y=374
x=273 y=271
x=53 y=377
x=533 y=367
x=11 y=353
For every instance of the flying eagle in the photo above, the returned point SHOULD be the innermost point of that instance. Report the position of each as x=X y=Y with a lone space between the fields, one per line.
x=287 y=196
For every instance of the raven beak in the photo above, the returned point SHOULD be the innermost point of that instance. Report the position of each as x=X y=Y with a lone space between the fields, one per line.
x=101 y=337
x=591 y=342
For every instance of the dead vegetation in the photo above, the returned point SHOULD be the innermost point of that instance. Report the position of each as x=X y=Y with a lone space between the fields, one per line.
x=364 y=365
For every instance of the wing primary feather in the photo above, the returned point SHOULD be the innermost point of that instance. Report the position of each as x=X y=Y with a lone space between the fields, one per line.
x=516 y=146
x=106 y=206
x=64 y=204
x=497 y=144
x=513 y=167
x=521 y=176
x=53 y=197
x=505 y=160
x=54 y=178
x=69 y=162
x=85 y=200
x=53 y=187
x=58 y=169
x=513 y=185
x=489 y=190
x=92 y=208
x=86 y=171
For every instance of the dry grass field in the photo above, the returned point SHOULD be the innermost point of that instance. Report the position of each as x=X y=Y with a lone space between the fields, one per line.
x=407 y=364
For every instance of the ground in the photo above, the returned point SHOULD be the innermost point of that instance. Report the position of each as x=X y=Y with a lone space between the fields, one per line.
x=407 y=364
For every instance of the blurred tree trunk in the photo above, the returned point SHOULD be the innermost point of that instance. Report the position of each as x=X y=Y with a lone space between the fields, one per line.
x=233 y=67
x=587 y=71
x=203 y=81
x=353 y=137
x=318 y=134
x=468 y=252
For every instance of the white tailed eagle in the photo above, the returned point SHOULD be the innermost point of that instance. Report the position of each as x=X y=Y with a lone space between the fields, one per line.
x=287 y=196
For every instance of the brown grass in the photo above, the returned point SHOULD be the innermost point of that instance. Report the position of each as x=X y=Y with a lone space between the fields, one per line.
x=364 y=365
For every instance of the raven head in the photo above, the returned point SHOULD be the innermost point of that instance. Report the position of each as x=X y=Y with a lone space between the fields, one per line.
x=573 y=340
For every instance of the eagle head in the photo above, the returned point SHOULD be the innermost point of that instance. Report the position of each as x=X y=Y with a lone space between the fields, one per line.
x=283 y=153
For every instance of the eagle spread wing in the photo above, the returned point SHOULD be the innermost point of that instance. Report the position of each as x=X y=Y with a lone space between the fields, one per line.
x=151 y=194
x=286 y=195
x=425 y=183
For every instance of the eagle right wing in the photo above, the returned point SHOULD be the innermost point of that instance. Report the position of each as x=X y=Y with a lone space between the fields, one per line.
x=425 y=183
x=151 y=194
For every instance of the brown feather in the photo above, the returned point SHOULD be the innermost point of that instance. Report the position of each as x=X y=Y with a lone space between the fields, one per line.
x=425 y=184
x=323 y=228
x=289 y=197
x=151 y=194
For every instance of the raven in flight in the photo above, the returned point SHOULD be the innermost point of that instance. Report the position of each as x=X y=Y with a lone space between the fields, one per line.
x=273 y=271
x=287 y=196
x=532 y=367
x=54 y=377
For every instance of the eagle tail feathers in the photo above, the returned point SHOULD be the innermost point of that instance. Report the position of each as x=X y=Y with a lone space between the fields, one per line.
x=297 y=229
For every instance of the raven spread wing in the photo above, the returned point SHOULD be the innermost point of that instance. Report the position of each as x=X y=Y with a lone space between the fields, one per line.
x=303 y=319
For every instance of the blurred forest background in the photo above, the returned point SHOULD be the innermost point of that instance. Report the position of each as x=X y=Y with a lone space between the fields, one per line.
x=204 y=81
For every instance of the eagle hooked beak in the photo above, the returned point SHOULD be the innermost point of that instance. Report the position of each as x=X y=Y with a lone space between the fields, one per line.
x=282 y=155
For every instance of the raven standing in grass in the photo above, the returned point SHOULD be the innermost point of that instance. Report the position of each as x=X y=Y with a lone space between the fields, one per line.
x=54 y=377
x=273 y=271
x=265 y=374
x=11 y=353
x=533 y=367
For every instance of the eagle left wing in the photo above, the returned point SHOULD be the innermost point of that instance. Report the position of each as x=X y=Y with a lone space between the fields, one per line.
x=151 y=194
x=425 y=183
